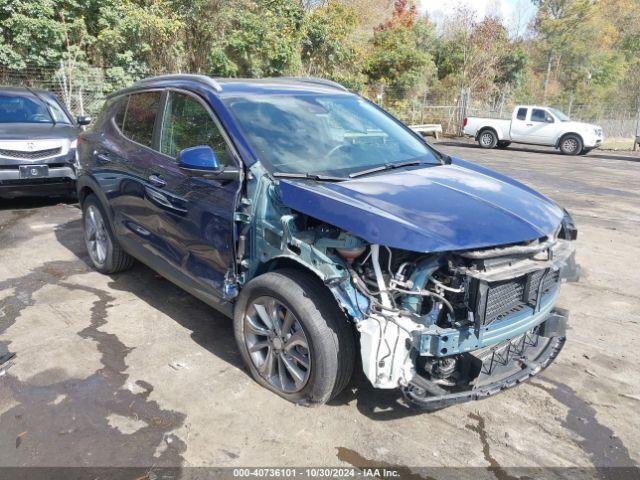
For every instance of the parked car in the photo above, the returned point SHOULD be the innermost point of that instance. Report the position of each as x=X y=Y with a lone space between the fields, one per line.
x=535 y=125
x=325 y=227
x=38 y=140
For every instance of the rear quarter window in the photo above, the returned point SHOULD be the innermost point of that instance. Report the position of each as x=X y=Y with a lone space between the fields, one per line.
x=118 y=118
x=140 y=117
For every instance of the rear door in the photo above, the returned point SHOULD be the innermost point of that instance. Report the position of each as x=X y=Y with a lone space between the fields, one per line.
x=197 y=214
x=130 y=156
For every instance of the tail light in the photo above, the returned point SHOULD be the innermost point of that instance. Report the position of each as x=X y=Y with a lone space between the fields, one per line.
x=464 y=122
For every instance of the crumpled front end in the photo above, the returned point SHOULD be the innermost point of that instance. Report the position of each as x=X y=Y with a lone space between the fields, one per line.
x=448 y=328
x=444 y=327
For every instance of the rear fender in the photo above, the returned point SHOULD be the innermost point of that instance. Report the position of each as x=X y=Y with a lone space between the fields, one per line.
x=497 y=130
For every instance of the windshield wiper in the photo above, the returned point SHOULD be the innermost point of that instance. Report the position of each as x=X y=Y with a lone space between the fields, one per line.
x=309 y=176
x=386 y=166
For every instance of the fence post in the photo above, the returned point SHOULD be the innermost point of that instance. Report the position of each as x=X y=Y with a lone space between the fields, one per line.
x=635 y=142
x=462 y=109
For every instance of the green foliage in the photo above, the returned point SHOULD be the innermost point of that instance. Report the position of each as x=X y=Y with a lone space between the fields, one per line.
x=258 y=38
x=326 y=42
x=396 y=61
x=582 y=52
x=37 y=32
x=139 y=37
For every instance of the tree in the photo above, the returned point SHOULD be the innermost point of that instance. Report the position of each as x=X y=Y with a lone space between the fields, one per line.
x=480 y=57
x=257 y=39
x=327 y=48
x=37 y=33
x=564 y=32
x=395 y=61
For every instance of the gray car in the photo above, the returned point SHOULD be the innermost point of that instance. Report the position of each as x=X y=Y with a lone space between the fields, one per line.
x=38 y=140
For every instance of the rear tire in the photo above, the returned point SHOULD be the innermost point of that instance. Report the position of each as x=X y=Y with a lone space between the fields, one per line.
x=571 y=144
x=503 y=144
x=310 y=362
x=487 y=139
x=105 y=252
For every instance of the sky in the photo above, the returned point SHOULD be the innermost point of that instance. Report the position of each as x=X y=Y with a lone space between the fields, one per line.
x=516 y=13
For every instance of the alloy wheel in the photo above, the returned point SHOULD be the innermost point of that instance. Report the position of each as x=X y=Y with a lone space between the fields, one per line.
x=570 y=145
x=486 y=139
x=95 y=235
x=277 y=344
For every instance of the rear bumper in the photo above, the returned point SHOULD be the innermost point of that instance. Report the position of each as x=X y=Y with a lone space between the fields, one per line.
x=498 y=368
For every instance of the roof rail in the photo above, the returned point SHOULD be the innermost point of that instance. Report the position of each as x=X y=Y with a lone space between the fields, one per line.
x=318 y=81
x=183 y=76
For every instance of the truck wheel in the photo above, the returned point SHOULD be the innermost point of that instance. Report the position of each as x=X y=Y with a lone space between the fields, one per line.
x=293 y=337
x=105 y=253
x=503 y=144
x=487 y=139
x=571 y=144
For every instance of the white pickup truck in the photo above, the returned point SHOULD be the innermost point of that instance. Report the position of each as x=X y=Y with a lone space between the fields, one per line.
x=535 y=126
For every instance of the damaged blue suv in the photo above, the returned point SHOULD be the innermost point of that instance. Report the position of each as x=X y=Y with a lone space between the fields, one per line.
x=328 y=230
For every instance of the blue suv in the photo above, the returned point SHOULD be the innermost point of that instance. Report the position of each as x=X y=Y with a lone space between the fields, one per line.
x=328 y=230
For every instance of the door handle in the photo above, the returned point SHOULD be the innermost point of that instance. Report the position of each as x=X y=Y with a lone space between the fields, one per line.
x=103 y=158
x=529 y=124
x=157 y=181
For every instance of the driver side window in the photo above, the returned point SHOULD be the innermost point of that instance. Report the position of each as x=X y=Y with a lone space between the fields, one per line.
x=538 y=115
x=187 y=123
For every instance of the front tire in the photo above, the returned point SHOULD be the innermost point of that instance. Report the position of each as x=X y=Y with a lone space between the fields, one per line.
x=105 y=253
x=487 y=139
x=571 y=144
x=293 y=337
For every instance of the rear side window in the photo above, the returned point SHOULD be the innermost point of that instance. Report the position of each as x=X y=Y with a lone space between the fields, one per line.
x=522 y=114
x=121 y=112
x=140 y=117
x=187 y=123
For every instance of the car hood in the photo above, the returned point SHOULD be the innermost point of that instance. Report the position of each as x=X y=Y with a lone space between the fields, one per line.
x=37 y=131
x=440 y=208
x=580 y=126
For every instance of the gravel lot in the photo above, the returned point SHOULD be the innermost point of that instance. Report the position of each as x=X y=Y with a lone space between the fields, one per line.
x=128 y=370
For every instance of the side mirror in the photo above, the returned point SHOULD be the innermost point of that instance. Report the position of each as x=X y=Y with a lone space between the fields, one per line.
x=198 y=160
x=83 y=120
x=549 y=119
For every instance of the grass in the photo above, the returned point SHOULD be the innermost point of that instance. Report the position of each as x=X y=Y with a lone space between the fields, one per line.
x=618 y=144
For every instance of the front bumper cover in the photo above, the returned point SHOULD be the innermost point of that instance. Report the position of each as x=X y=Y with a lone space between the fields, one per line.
x=502 y=366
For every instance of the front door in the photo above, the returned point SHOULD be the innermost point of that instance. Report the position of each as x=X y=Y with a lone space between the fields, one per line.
x=543 y=130
x=197 y=217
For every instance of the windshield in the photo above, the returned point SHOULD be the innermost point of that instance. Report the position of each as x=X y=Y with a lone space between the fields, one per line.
x=28 y=109
x=559 y=115
x=324 y=134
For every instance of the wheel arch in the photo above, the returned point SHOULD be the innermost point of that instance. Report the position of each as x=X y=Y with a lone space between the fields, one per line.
x=561 y=137
x=283 y=262
x=492 y=128
x=86 y=186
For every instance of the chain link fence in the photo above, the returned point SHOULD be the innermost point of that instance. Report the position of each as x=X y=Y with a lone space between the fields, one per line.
x=83 y=88
x=80 y=88
x=620 y=127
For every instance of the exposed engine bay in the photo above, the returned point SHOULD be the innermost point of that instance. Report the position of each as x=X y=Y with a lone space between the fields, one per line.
x=444 y=327
x=443 y=323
